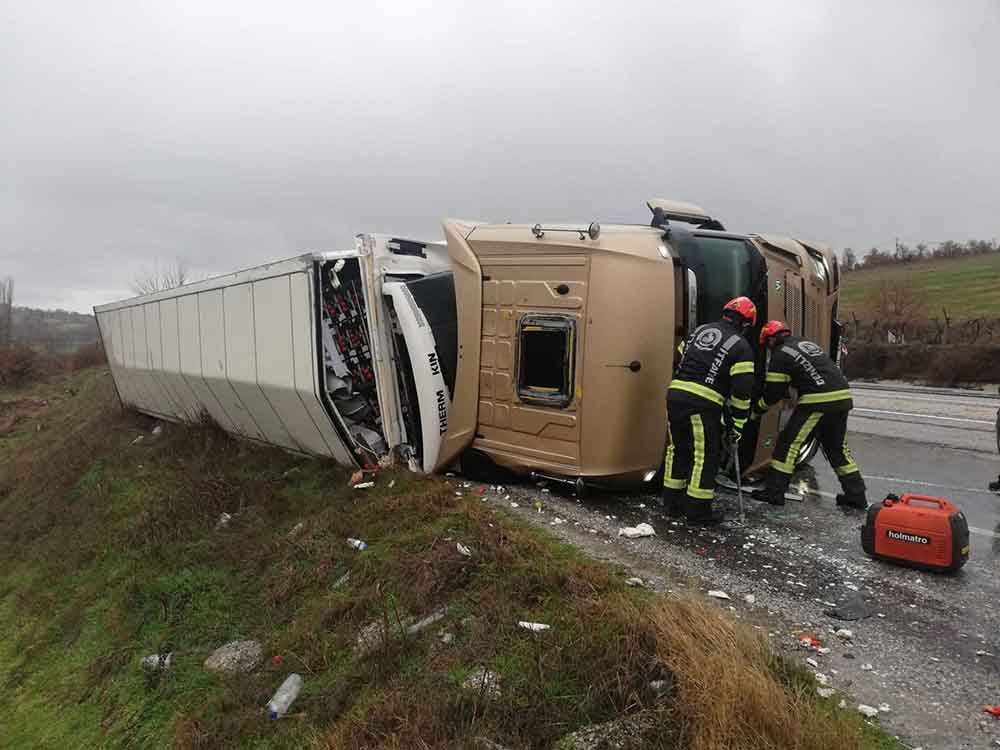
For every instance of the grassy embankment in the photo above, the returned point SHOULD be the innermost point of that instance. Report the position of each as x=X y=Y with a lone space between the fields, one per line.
x=110 y=551
x=966 y=287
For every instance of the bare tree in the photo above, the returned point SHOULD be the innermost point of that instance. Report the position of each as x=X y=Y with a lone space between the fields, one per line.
x=6 y=311
x=160 y=278
x=896 y=302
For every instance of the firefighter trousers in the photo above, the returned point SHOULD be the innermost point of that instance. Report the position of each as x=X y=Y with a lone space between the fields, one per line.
x=693 y=455
x=831 y=429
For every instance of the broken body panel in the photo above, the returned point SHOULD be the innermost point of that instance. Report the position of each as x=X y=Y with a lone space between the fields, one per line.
x=545 y=350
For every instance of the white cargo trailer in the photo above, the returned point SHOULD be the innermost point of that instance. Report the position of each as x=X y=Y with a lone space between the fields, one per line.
x=328 y=354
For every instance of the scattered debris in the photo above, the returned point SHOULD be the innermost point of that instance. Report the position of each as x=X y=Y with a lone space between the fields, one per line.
x=810 y=641
x=444 y=637
x=812 y=663
x=825 y=692
x=157 y=662
x=844 y=634
x=750 y=599
x=632 y=532
x=138 y=440
x=427 y=621
x=277 y=660
x=484 y=681
x=364 y=485
x=356 y=478
x=852 y=607
x=824 y=651
x=342 y=580
x=867 y=667
x=883 y=708
x=983 y=653
x=514 y=505
x=557 y=521
x=867 y=711
x=992 y=710
x=158 y=430
x=463 y=550
x=822 y=679
x=612 y=735
x=634 y=582
x=235 y=656
x=661 y=687
x=296 y=529
x=535 y=627
x=357 y=544
x=284 y=696
x=718 y=594
x=392 y=483
x=223 y=522
x=842 y=705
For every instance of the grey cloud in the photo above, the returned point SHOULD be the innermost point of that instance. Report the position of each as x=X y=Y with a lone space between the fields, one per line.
x=230 y=133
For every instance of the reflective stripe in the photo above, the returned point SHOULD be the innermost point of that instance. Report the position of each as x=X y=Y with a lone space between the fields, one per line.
x=788 y=465
x=762 y=405
x=681 y=347
x=699 y=494
x=739 y=423
x=668 y=466
x=823 y=398
x=741 y=367
x=778 y=377
x=740 y=403
x=850 y=467
x=698 y=390
x=694 y=486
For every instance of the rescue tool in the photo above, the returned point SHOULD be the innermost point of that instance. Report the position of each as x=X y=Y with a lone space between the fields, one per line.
x=918 y=531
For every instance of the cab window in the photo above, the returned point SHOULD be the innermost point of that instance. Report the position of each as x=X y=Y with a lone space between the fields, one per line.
x=546 y=346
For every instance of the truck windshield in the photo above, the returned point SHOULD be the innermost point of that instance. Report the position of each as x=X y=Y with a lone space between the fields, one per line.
x=727 y=271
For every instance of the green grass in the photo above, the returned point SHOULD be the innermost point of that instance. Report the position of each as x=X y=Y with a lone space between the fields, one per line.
x=111 y=552
x=966 y=287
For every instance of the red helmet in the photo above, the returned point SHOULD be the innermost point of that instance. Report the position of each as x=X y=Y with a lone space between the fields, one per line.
x=772 y=328
x=744 y=306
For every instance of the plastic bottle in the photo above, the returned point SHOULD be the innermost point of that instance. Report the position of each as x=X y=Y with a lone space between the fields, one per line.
x=357 y=544
x=284 y=696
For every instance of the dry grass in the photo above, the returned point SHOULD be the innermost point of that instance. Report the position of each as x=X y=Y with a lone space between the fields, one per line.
x=112 y=552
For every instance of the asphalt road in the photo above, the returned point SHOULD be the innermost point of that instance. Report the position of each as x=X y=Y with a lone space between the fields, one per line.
x=929 y=649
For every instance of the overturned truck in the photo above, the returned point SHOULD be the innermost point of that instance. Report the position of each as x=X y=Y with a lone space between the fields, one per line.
x=542 y=350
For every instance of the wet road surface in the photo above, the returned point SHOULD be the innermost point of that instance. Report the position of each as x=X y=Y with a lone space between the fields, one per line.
x=930 y=647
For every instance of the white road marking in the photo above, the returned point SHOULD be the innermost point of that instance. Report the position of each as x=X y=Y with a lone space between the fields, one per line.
x=925 y=416
x=972 y=529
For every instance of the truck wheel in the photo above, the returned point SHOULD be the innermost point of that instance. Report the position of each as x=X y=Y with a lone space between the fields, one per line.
x=479 y=467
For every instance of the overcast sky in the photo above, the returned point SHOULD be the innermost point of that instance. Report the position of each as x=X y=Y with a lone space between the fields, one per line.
x=225 y=134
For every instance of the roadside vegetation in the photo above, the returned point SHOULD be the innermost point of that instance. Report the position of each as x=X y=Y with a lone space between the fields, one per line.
x=964 y=286
x=112 y=549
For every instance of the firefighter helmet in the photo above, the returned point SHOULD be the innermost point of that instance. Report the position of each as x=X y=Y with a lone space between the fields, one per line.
x=773 y=328
x=744 y=307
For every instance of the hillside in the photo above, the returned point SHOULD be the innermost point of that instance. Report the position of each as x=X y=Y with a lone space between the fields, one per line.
x=53 y=331
x=967 y=287
x=114 y=547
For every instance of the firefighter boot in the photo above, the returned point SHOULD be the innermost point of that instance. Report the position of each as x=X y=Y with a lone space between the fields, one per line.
x=853 y=495
x=673 y=502
x=775 y=487
x=851 y=500
x=701 y=513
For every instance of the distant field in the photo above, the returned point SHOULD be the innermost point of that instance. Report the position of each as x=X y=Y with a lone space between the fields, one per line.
x=967 y=287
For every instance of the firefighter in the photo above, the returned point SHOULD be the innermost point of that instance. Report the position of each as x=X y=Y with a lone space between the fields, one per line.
x=824 y=400
x=716 y=365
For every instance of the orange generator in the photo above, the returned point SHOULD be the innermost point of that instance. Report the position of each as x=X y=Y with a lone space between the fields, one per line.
x=917 y=530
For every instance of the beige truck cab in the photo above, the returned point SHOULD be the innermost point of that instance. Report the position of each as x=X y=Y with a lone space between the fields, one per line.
x=564 y=373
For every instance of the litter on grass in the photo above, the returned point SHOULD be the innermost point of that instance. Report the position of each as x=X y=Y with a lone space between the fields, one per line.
x=463 y=550
x=718 y=595
x=534 y=627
